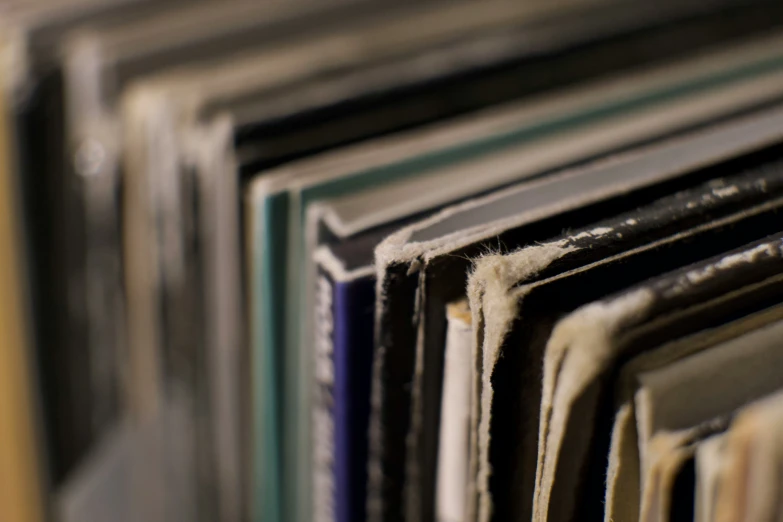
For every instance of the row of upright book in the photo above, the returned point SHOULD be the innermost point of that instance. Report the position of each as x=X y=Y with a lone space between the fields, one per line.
x=353 y=260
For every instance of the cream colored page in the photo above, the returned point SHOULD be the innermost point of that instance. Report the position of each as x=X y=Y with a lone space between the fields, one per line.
x=671 y=453
x=451 y=482
x=750 y=487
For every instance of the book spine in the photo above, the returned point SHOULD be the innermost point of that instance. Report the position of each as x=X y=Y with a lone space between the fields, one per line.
x=353 y=343
x=343 y=372
x=323 y=402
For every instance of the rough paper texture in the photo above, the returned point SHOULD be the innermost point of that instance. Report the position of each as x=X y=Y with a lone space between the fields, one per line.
x=494 y=307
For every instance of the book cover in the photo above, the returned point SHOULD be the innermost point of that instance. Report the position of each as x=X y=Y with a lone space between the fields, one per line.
x=343 y=352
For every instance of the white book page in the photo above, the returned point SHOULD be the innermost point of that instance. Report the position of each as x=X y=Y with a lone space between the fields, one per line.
x=452 y=480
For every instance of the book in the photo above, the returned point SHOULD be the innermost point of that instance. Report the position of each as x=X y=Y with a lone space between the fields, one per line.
x=144 y=109
x=453 y=448
x=749 y=274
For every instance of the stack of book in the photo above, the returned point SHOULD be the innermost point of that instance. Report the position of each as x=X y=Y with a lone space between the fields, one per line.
x=353 y=260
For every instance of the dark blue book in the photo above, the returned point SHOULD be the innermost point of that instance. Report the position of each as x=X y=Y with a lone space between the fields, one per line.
x=344 y=348
x=343 y=362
